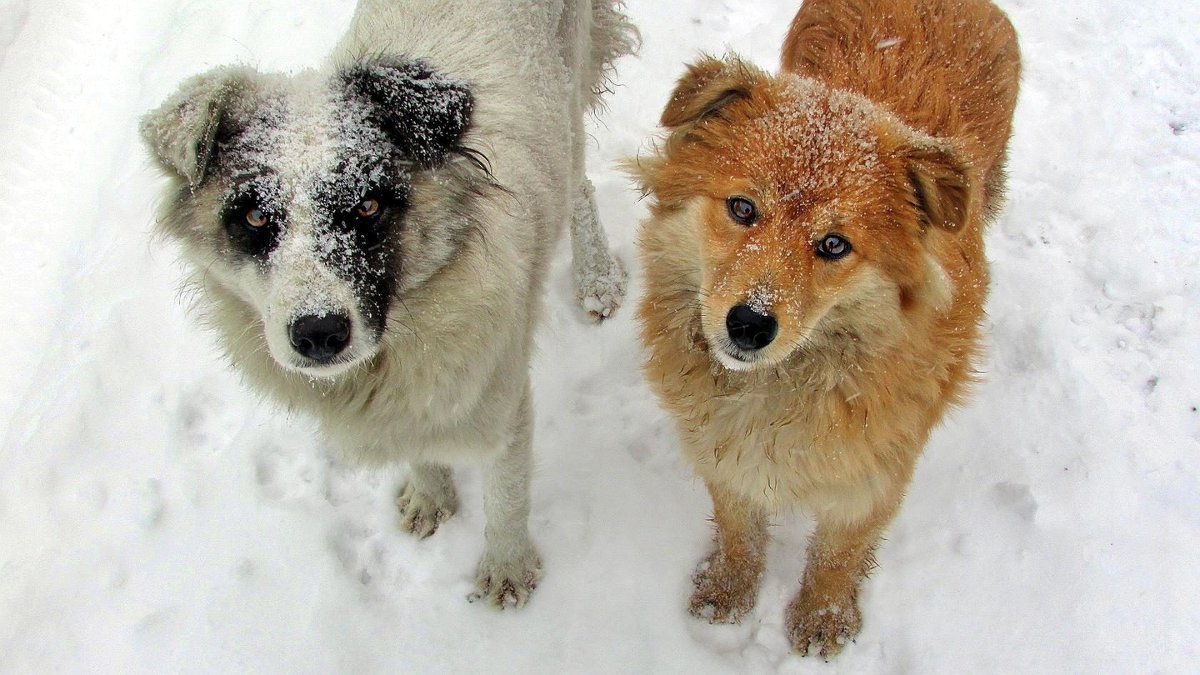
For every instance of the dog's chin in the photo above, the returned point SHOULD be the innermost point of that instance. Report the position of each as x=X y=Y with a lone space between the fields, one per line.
x=732 y=358
x=733 y=362
x=322 y=371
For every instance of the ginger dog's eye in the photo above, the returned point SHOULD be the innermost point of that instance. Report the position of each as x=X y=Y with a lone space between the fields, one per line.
x=742 y=210
x=368 y=208
x=833 y=247
x=256 y=219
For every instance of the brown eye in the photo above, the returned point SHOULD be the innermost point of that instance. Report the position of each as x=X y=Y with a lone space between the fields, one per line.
x=742 y=210
x=256 y=218
x=833 y=247
x=367 y=208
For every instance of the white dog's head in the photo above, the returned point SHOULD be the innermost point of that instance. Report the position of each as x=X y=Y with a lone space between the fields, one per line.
x=319 y=199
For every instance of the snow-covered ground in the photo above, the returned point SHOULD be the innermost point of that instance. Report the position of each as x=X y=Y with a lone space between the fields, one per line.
x=155 y=516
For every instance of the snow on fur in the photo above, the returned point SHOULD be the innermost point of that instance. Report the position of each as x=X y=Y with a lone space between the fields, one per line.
x=156 y=517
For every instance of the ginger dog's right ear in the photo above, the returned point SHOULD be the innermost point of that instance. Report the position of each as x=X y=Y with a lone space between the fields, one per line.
x=705 y=92
x=709 y=86
x=182 y=132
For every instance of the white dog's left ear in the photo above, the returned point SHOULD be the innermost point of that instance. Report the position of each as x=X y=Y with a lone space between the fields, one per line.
x=425 y=112
x=941 y=184
x=182 y=132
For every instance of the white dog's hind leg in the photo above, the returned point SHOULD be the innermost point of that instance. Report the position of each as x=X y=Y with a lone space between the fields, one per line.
x=510 y=567
x=599 y=277
x=427 y=499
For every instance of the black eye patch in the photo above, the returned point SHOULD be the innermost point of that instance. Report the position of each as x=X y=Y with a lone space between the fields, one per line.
x=252 y=225
x=373 y=216
x=376 y=180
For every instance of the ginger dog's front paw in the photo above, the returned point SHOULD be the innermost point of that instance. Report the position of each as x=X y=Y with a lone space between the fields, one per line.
x=422 y=511
x=724 y=592
x=507 y=582
x=822 y=628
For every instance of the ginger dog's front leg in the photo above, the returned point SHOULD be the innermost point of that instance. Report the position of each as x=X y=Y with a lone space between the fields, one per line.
x=824 y=615
x=727 y=580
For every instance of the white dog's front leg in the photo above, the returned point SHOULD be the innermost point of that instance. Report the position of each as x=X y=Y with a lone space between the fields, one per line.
x=427 y=499
x=510 y=567
x=599 y=277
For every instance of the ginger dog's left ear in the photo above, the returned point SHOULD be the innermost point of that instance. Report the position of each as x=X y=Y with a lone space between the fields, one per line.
x=708 y=87
x=941 y=185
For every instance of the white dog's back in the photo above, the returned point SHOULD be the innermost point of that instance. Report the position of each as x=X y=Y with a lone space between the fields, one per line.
x=489 y=40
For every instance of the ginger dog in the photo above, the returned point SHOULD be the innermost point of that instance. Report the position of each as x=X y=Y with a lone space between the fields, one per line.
x=815 y=277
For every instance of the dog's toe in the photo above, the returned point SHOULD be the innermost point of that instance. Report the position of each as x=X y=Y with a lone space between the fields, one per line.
x=720 y=605
x=504 y=593
x=421 y=513
x=507 y=583
x=823 y=631
x=600 y=294
x=422 y=523
x=723 y=592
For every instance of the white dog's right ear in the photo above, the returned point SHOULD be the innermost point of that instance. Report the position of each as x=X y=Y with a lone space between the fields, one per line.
x=425 y=112
x=182 y=131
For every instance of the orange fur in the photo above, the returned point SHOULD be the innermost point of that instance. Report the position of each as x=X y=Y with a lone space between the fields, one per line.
x=888 y=126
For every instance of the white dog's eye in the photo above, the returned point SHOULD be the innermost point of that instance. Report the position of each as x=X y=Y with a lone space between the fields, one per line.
x=367 y=208
x=256 y=218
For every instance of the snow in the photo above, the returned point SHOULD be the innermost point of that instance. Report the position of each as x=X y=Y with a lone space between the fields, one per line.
x=155 y=515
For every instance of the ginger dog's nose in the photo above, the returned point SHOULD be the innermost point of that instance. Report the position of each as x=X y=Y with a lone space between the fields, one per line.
x=749 y=329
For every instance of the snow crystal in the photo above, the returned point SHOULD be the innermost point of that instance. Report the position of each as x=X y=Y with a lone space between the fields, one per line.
x=761 y=299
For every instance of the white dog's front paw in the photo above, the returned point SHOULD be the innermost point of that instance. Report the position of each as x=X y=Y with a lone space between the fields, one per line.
x=600 y=292
x=421 y=511
x=507 y=582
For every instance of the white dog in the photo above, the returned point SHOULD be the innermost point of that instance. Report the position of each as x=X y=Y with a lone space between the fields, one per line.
x=371 y=237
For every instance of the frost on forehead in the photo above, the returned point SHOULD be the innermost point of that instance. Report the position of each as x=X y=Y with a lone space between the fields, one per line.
x=304 y=151
x=329 y=136
x=816 y=138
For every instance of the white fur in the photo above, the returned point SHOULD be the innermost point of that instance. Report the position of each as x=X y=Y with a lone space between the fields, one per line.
x=448 y=381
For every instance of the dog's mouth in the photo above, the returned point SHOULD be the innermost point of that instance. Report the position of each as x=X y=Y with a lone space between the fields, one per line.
x=736 y=359
x=321 y=370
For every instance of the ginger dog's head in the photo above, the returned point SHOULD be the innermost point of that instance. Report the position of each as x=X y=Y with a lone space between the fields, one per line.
x=812 y=212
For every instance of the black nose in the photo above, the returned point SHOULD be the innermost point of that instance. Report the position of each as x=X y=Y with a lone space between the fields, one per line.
x=320 y=338
x=750 y=330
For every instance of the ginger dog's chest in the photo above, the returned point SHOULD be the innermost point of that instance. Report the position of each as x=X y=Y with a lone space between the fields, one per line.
x=783 y=443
